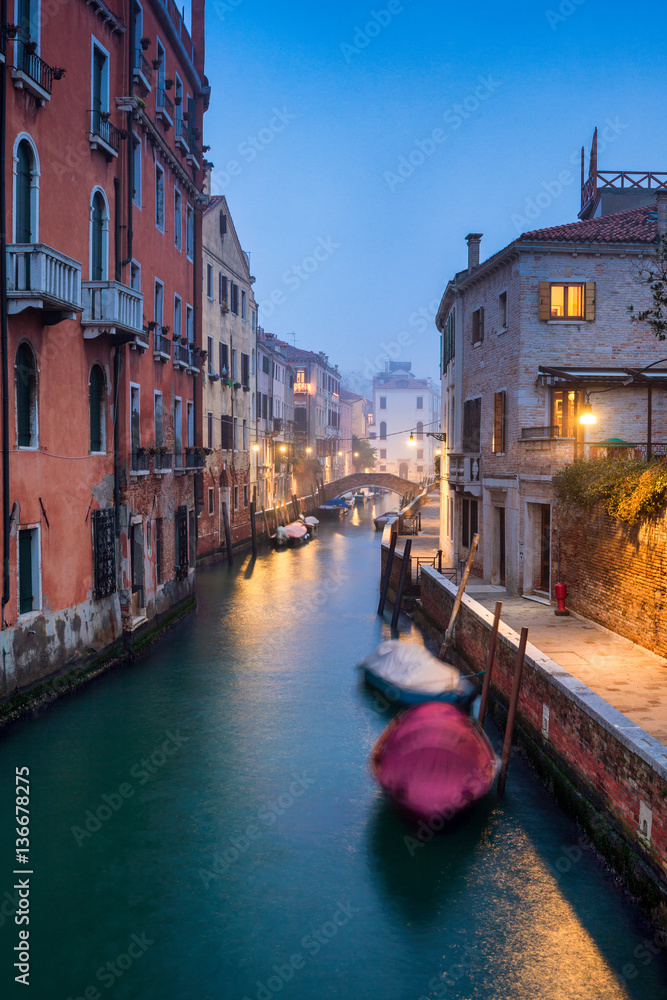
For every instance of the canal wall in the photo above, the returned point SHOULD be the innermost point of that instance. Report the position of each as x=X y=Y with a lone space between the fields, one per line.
x=241 y=534
x=606 y=771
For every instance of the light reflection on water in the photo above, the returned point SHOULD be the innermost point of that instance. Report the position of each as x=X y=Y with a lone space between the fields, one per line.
x=261 y=683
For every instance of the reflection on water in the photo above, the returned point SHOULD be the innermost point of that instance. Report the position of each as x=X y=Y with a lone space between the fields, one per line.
x=243 y=849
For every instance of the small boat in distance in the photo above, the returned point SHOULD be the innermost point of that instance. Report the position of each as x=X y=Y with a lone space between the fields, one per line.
x=434 y=761
x=332 y=510
x=408 y=674
x=381 y=520
x=290 y=534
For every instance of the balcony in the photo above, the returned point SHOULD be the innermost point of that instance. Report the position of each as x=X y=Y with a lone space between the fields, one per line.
x=40 y=277
x=179 y=459
x=164 y=107
x=140 y=463
x=194 y=362
x=277 y=426
x=193 y=156
x=161 y=346
x=142 y=72
x=163 y=461
x=30 y=72
x=104 y=135
x=113 y=308
x=181 y=356
x=194 y=459
x=465 y=473
x=181 y=135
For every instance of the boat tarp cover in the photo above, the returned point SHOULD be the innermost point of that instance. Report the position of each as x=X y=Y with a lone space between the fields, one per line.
x=296 y=529
x=411 y=667
x=434 y=760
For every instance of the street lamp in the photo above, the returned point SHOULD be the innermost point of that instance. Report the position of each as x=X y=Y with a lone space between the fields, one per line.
x=309 y=451
x=411 y=440
x=587 y=415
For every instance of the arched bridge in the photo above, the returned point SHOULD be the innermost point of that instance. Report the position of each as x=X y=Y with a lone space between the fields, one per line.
x=359 y=479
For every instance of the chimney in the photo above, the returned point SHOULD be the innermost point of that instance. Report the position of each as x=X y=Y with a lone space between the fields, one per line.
x=473 y=240
x=661 y=199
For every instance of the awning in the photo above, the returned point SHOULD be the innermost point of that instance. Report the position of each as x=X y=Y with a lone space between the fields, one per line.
x=610 y=377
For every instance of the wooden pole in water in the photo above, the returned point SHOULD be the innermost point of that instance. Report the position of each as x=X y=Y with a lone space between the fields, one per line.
x=253 y=528
x=228 y=534
x=387 y=573
x=489 y=664
x=297 y=507
x=266 y=524
x=511 y=715
x=314 y=497
x=401 y=583
x=459 y=596
x=285 y=511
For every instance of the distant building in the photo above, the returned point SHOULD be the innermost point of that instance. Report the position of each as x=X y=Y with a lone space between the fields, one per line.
x=404 y=405
x=532 y=338
x=275 y=421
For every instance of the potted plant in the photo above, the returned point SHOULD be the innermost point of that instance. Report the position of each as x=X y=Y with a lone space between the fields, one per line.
x=156 y=64
x=11 y=30
x=237 y=385
x=144 y=42
x=105 y=116
x=178 y=100
x=152 y=324
x=168 y=84
x=30 y=47
x=153 y=450
x=58 y=72
x=141 y=103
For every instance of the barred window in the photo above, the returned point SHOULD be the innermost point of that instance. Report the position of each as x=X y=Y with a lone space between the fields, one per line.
x=104 y=553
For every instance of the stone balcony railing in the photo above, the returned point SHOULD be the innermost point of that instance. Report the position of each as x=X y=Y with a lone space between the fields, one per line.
x=111 y=307
x=465 y=470
x=43 y=278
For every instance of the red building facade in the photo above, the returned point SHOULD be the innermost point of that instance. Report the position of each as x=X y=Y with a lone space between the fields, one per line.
x=101 y=207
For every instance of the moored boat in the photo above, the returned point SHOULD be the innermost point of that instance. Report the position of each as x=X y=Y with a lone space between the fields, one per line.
x=434 y=761
x=290 y=534
x=409 y=675
x=381 y=520
x=331 y=510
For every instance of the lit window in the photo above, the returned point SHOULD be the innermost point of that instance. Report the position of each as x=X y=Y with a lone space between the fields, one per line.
x=567 y=301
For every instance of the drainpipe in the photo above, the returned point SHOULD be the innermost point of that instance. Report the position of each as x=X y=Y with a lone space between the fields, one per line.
x=4 y=333
x=116 y=230
x=116 y=437
x=130 y=149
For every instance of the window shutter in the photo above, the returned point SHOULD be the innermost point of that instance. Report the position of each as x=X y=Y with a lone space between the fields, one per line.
x=545 y=300
x=481 y=323
x=589 y=313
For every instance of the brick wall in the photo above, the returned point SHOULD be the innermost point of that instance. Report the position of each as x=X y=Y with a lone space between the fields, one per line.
x=614 y=762
x=616 y=573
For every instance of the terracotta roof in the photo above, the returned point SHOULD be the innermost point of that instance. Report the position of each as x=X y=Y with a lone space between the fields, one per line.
x=214 y=200
x=639 y=225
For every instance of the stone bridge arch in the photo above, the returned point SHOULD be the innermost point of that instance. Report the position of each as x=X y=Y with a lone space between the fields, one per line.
x=359 y=479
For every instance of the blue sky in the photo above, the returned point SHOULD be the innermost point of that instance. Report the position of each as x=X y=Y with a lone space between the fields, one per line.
x=483 y=107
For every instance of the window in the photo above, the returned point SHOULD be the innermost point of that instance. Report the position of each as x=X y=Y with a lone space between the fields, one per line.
x=26 y=397
x=236 y=433
x=189 y=324
x=158 y=306
x=567 y=301
x=99 y=91
x=420 y=454
x=244 y=314
x=245 y=495
x=178 y=101
x=253 y=316
x=469 y=521
x=178 y=315
x=209 y=355
x=235 y=299
x=178 y=433
x=499 y=423
x=189 y=231
x=472 y=414
x=245 y=370
x=383 y=452
x=234 y=365
x=223 y=352
x=227 y=433
x=29 y=583
x=448 y=340
x=245 y=435
x=502 y=312
x=420 y=402
x=96 y=394
x=383 y=430
x=26 y=191
x=135 y=418
x=209 y=282
x=161 y=70
x=159 y=197
x=159 y=556
x=104 y=552
x=209 y=429
x=383 y=402
x=236 y=498
x=563 y=420
x=181 y=542
x=136 y=170
x=210 y=499
x=135 y=276
x=222 y=289
x=178 y=219
x=99 y=237
x=420 y=431
x=253 y=364
x=190 y=417
x=266 y=368
x=383 y=468
x=478 y=326
x=158 y=419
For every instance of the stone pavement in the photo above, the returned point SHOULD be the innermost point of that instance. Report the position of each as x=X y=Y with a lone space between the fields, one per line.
x=632 y=679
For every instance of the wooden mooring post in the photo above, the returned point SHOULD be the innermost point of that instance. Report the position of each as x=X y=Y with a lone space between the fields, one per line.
x=387 y=573
x=297 y=509
x=228 y=534
x=459 y=597
x=253 y=528
x=489 y=664
x=511 y=715
x=401 y=583
x=266 y=524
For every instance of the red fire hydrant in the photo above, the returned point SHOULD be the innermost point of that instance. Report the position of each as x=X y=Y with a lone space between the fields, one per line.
x=561 y=594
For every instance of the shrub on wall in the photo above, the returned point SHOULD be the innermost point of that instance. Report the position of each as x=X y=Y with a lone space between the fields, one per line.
x=631 y=491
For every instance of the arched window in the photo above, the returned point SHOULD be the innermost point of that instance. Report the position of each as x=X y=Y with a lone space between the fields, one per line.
x=99 y=237
x=383 y=430
x=26 y=397
x=96 y=394
x=25 y=194
x=420 y=430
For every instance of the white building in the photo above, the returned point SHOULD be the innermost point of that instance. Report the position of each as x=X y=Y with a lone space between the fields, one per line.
x=405 y=405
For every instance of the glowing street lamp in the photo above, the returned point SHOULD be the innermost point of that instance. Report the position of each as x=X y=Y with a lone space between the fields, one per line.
x=411 y=440
x=587 y=415
x=309 y=451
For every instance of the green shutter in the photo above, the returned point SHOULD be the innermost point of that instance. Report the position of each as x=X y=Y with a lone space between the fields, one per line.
x=23 y=192
x=25 y=390
x=97 y=263
x=95 y=395
x=25 y=570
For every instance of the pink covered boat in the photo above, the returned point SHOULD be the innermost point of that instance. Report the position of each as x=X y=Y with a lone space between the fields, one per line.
x=434 y=761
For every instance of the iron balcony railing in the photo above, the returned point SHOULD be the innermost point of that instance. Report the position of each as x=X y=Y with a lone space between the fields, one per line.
x=28 y=62
x=194 y=459
x=101 y=126
x=40 y=273
x=142 y=66
x=181 y=355
x=163 y=461
x=110 y=306
x=181 y=133
x=164 y=103
x=140 y=460
x=160 y=344
x=179 y=457
x=194 y=361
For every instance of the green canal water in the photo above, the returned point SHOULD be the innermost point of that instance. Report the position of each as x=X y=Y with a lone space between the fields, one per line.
x=204 y=825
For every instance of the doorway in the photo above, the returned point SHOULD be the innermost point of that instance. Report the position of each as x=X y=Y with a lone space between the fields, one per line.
x=499 y=546
x=137 y=568
x=543 y=575
x=403 y=470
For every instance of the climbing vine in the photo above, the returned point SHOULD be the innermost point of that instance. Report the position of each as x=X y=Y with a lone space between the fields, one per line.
x=631 y=491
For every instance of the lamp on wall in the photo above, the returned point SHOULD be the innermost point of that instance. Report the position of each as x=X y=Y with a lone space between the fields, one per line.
x=587 y=415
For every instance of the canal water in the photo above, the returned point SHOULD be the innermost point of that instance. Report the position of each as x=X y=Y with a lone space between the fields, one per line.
x=204 y=825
